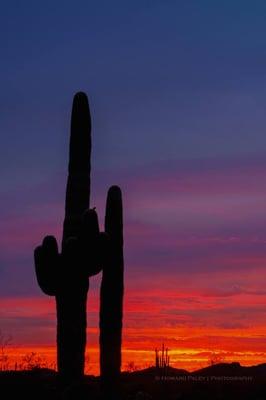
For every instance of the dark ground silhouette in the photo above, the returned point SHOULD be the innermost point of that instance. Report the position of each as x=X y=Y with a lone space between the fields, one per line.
x=218 y=382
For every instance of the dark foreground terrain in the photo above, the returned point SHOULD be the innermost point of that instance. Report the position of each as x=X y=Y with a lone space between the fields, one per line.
x=221 y=381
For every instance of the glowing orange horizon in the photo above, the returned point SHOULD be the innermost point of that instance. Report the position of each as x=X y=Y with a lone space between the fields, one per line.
x=183 y=358
x=193 y=320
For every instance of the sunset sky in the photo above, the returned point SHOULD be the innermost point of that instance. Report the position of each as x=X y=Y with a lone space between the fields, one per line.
x=177 y=91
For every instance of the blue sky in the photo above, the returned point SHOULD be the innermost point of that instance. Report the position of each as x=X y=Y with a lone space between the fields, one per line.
x=166 y=79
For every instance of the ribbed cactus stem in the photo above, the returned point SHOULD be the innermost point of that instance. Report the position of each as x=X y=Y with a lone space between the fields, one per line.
x=112 y=289
x=79 y=167
x=71 y=297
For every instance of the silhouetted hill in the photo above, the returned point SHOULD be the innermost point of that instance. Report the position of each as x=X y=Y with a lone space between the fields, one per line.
x=152 y=371
x=221 y=369
x=234 y=368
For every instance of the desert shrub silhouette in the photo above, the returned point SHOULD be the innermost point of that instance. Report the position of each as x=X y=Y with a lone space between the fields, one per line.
x=85 y=252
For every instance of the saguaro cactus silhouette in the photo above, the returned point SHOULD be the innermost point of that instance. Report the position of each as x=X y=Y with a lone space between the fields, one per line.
x=65 y=275
x=112 y=288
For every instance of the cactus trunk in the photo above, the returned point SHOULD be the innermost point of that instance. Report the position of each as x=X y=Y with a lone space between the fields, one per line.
x=78 y=182
x=71 y=334
x=71 y=298
x=112 y=288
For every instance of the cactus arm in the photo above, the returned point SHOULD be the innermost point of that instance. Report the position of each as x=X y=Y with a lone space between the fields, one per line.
x=46 y=259
x=89 y=239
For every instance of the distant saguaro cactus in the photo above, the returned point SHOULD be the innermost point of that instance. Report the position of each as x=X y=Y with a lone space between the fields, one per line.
x=162 y=361
x=65 y=275
x=112 y=289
